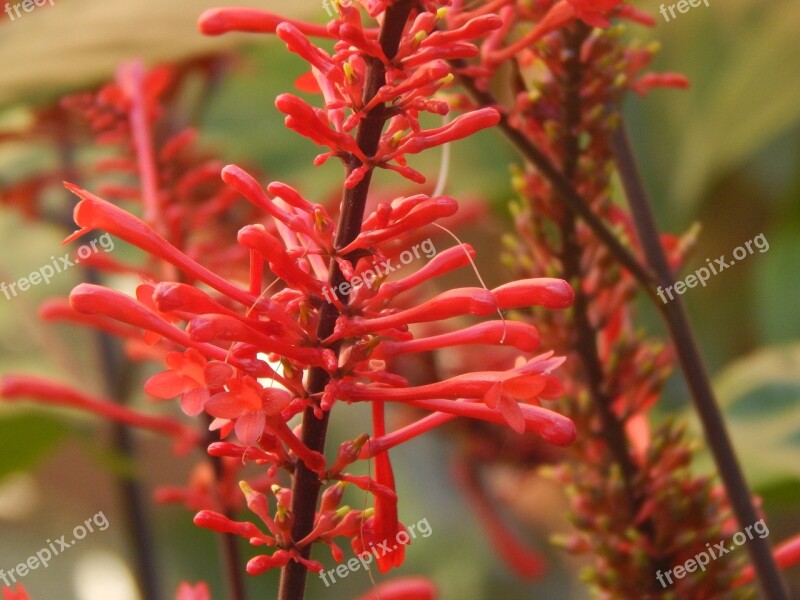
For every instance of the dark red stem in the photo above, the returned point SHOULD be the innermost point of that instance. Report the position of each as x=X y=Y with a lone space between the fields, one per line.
x=306 y=484
x=677 y=321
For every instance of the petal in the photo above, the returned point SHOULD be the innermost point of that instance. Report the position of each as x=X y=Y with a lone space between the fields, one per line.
x=512 y=413
x=524 y=387
x=225 y=405
x=193 y=401
x=275 y=400
x=168 y=384
x=250 y=427
x=217 y=374
x=492 y=396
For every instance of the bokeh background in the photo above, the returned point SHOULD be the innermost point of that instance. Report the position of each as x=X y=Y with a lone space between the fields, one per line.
x=724 y=154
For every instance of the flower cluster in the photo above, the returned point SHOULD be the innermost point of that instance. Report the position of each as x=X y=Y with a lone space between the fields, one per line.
x=255 y=346
x=635 y=504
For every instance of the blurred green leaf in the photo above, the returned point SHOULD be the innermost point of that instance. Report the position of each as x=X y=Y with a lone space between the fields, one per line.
x=27 y=439
x=78 y=42
x=741 y=57
x=760 y=395
x=777 y=283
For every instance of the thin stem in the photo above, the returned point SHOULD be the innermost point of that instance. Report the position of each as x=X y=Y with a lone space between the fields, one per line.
x=562 y=185
x=677 y=321
x=117 y=373
x=306 y=484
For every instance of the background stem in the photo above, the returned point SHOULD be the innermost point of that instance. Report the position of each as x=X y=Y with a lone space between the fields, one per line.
x=680 y=331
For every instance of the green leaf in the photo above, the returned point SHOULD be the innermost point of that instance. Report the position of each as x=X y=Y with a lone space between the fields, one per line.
x=760 y=396
x=25 y=440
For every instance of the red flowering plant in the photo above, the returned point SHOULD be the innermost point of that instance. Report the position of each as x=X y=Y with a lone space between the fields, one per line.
x=251 y=356
x=265 y=310
x=637 y=508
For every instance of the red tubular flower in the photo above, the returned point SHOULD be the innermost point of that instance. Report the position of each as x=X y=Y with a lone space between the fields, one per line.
x=216 y=21
x=453 y=303
x=198 y=591
x=423 y=213
x=787 y=554
x=522 y=336
x=20 y=387
x=547 y=292
x=242 y=320
x=403 y=588
x=18 y=593
x=208 y=519
x=263 y=563
x=384 y=525
x=94 y=213
x=649 y=81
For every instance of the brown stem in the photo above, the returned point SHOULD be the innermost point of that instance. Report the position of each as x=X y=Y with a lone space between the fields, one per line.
x=306 y=484
x=677 y=321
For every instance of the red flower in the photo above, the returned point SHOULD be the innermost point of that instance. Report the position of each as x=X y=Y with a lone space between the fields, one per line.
x=18 y=593
x=198 y=591
x=402 y=588
x=190 y=378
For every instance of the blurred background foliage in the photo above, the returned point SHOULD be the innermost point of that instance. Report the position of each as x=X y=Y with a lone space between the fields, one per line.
x=724 y=154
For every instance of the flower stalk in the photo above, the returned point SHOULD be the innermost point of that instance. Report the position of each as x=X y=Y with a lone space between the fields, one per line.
x=306 y=484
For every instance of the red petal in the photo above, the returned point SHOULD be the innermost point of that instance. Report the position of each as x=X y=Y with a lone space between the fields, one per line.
x=492 y=396
x=524 y=387
x=307 y=83
x=225 y=405
x=275 y=400
x=217 y=374
x=402 y=588
x=250 y=427
x=168 y=384
x=193 y=592
x=512 y=413
x=192 y=402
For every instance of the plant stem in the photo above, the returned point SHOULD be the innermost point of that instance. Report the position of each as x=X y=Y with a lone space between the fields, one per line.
x=561 y=184
x=677 y=321
x=306 y=484
x=117 y=373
